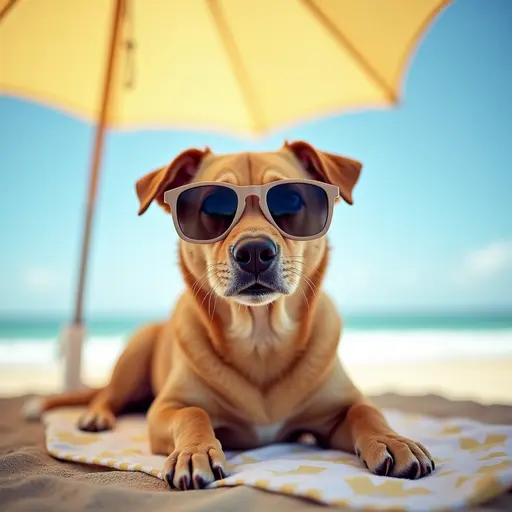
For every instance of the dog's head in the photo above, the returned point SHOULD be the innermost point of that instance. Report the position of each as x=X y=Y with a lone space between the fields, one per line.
x=254 y=264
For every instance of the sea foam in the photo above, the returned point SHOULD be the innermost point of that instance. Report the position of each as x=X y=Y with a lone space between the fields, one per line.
x=356 y=347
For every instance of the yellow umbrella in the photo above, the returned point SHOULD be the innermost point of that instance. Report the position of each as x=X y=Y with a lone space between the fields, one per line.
x=241 y=66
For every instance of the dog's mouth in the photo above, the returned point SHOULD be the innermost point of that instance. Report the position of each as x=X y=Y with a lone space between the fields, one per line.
x=256 y=289
x=257 y=294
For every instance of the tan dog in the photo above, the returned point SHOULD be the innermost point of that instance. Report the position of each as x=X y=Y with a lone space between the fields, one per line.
x=240 y=370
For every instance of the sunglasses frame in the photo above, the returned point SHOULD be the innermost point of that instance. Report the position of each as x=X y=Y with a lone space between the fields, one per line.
x=245 y=191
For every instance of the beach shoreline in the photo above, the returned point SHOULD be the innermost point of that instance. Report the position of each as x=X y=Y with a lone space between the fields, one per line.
x=485 y=380
x=462 y=363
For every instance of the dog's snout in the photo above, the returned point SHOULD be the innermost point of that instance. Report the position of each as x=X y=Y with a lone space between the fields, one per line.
x=255 y=255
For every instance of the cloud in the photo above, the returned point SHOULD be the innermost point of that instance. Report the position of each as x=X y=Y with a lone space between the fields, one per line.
x=40 y=279
x=489 y=261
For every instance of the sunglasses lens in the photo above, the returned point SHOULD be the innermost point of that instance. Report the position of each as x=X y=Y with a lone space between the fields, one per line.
x=299 y=209
x=206 y=212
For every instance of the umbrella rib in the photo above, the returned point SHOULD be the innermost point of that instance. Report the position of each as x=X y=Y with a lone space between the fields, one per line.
x=344 y=42
x=5 y=11
x=237 y=66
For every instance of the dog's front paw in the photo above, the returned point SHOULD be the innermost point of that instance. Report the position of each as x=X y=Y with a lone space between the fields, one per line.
x=96 y=421
x=195 y=466
x=392 y=455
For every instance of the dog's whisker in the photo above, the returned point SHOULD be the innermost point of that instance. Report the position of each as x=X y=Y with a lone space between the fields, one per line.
x=206 y=296
x=311 y=285
x=214 y=307
x=308 y=281
x=200 y=285
x=208 y=273
x=217 y=284
x=305 y=297
x=313 y=269
x=201 y=277
x=215 y=301
x=211 y=292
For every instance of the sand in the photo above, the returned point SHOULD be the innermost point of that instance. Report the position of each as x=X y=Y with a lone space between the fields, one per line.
x=485 y=380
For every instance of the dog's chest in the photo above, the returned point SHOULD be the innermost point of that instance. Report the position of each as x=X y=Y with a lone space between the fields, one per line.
x=265 y=337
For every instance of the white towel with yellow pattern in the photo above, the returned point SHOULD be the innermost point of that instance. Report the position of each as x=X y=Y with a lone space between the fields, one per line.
x=473 y=463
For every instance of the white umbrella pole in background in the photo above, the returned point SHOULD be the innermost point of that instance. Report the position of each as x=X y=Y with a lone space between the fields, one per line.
x=73 y=334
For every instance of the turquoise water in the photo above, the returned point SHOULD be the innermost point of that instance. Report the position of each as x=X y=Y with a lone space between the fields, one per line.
x=405 y=337
x=12 y=329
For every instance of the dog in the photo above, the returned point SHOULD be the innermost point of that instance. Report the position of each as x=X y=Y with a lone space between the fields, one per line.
x=248 y=357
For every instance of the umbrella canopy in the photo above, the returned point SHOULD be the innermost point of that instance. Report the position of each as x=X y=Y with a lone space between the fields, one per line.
x=241 y=66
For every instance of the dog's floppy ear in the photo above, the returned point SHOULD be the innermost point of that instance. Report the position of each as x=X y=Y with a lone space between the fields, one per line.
x=179 y=172
x=328 y=167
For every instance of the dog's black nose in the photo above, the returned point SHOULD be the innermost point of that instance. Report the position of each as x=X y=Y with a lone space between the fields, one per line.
x=255 y=255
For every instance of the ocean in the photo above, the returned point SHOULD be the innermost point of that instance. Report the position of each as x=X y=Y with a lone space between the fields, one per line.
x=368 y=339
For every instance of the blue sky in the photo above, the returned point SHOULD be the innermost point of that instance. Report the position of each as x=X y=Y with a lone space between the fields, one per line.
x=431 y=228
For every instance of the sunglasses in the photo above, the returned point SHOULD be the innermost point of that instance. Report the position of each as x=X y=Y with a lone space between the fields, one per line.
x=206 y=212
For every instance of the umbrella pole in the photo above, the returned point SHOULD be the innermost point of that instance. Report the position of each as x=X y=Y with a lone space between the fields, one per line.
x=73 y=334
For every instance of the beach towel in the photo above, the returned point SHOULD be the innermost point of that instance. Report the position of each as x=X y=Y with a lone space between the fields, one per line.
x=473 y=463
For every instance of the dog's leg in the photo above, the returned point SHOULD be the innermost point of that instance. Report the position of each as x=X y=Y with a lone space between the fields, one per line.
x=36 y=406
x=365 y=431
x=130 y=379
x=195 y=457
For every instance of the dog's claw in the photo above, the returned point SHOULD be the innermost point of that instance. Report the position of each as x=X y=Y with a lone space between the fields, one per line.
x=385 y=468
x=183 y=483
x=389 y=463
x=412 y=472
x=169 y=476
x=199 y=482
